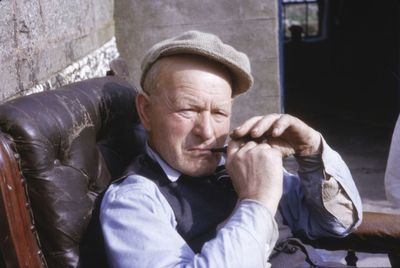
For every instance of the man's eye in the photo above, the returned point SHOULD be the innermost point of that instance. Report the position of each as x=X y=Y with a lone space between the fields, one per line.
x=220 y=115
x=187 y=112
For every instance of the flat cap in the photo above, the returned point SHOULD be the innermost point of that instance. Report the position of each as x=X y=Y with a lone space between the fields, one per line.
x=207 y=45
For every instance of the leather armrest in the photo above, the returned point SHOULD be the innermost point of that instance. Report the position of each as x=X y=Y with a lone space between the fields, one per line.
x=378 y=233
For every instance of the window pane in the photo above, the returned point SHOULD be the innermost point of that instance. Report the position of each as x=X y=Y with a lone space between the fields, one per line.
x=313 y=25
x=294 y=15
x=304 y=14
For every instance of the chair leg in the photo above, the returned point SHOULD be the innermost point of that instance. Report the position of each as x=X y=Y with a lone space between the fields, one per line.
x=2 y=264
x=394 y=259
x=351 y=258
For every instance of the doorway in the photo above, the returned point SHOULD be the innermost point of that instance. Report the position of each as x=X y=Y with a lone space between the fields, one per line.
x=341 y=75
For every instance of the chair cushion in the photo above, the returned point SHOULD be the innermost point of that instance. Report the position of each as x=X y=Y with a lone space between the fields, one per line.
x=72 y=142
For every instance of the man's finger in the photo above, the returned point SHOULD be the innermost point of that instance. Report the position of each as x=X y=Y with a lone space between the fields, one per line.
x=264 y=125
x=247 y=146
x=282 y=124
x=245 y=128
x=283 y=146
x=233 y=147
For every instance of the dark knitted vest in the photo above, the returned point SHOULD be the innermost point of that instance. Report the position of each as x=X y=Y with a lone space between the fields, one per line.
x=199 y=205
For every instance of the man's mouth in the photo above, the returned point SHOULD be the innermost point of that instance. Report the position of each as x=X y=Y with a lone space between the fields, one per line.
x=200 y=150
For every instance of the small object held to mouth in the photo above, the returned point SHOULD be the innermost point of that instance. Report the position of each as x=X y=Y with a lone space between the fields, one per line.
x=219 y=150
x=224 y=149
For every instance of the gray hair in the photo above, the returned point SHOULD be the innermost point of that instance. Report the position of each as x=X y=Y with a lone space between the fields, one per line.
x=150 y=83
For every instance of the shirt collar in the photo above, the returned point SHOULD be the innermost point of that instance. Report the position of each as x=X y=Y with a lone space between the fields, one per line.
x=172 y=174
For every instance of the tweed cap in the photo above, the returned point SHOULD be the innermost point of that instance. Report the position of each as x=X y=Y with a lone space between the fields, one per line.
x=207 y=45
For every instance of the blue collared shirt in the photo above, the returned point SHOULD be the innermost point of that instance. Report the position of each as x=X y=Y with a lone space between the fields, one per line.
x=139 y=225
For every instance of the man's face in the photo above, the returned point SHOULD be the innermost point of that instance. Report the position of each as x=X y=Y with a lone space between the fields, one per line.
x=189 y=114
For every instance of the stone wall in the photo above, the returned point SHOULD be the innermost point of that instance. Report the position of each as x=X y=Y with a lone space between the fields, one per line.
x=250 y=25
x=42 y=40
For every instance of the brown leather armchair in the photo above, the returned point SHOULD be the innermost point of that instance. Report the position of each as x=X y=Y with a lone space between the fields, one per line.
x=60 y=149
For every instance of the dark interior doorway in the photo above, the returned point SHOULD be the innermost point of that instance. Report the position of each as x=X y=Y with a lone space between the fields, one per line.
x=341 y=75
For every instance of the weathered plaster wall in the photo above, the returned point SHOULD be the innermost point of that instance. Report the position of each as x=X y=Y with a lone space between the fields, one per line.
x=249 y=25
x=39 y=38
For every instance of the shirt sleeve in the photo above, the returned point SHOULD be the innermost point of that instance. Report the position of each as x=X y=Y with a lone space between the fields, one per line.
x=139 y=228
x=323 y=199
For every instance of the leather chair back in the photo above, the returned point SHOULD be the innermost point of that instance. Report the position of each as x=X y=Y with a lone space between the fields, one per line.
x=70 y=144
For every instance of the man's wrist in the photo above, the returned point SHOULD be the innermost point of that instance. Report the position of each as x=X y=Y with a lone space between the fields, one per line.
x=313 y=148
x=271 y=209
x=271 y=203
x=313 y=161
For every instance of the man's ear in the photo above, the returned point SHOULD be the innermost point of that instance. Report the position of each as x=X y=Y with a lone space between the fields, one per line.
x=143 y=108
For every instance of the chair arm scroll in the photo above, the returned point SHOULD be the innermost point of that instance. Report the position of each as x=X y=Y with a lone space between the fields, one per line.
x=18 y=241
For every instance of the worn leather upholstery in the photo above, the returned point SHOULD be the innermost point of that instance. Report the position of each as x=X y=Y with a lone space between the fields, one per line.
x=72 y=142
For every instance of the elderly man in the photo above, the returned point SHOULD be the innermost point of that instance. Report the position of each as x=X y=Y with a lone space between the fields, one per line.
x=178 y=206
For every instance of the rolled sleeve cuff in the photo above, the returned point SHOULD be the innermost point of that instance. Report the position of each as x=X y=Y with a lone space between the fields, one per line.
x=328 y=181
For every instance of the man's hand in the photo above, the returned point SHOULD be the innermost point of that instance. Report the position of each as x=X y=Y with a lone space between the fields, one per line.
x=284 y=132
x=256 y=172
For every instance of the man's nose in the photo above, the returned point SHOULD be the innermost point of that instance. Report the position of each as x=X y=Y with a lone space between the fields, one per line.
x=204 y=127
